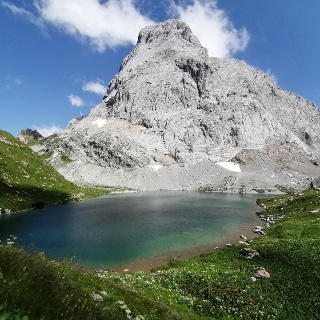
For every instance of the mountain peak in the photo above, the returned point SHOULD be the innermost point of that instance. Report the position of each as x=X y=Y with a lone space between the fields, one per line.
x=170 y=40
x=166 y=31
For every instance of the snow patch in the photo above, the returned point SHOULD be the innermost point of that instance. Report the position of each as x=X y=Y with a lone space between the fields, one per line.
x=100 y=122
x=156 y=167
x=229 y=166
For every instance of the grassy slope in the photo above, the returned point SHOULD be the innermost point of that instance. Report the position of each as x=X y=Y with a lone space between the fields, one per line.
x=27 y=181
x=215 y=286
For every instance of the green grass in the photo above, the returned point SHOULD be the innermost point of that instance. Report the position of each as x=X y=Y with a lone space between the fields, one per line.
x=213 y=286
x=65 y=158
x=46 y=155
x=27 y=181
x=40 y=288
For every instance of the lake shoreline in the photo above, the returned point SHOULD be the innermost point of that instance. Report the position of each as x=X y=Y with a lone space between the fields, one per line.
x=147 y=264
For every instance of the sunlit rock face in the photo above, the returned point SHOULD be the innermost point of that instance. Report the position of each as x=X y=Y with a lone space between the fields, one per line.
x=174 y=108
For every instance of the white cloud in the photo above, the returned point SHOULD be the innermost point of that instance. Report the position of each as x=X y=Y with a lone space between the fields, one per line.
x=48 y=130
x=17 y=81
x=113 y=23
x=75 y=100
x=213 y=28
x=104 y=24
x=96 y=87
x=37 y=21
x=12 y=81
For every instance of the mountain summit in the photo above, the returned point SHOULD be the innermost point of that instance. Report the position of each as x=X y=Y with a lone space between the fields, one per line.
x=174 y=118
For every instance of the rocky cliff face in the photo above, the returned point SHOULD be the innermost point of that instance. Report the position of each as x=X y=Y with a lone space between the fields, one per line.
x=172 y=113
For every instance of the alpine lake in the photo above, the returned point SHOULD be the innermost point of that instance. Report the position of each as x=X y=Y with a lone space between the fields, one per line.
x=122 y=228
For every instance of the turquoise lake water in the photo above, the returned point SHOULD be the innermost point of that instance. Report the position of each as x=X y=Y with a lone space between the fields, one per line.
x=122 y=228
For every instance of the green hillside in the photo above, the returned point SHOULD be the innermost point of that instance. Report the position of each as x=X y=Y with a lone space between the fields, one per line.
x=27 y=181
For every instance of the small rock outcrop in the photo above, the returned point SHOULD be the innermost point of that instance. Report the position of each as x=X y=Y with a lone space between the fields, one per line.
x=261 y=273
x=28 y=135
x=175 y=118
x=249 y=253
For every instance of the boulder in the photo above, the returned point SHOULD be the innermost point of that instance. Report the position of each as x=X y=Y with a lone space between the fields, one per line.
x=249 y=253
x=244 y=243
x=261 y=273
x=243 y=237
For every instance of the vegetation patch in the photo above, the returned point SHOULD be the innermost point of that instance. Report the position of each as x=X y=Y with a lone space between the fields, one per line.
x=286 y=189
x=47 y=155
x=259 y=190
x=65 y=158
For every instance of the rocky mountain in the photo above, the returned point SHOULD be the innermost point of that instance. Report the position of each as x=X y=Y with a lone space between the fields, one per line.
x=174 y=118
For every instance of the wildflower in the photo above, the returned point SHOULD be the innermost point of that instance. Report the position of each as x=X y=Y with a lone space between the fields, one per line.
x=97 y=297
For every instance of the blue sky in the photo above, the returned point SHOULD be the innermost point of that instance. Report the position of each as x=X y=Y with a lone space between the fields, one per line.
x=57 y=56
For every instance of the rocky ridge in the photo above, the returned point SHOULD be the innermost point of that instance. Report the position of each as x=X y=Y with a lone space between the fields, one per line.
x=174 y=118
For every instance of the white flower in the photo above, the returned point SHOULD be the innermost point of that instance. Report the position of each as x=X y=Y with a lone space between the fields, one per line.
x=97 y=297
